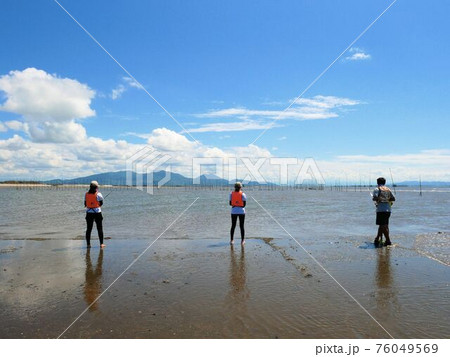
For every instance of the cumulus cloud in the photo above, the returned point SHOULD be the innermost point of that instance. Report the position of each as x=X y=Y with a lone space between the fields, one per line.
x=57 y=144
x=168 y=140
x=316 y=108
x=357 y=54
x=49 y=105
x=16 y=125
x=22 y=158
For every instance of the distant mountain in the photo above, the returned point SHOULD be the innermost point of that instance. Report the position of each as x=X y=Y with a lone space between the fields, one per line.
x=212 y=180
x=119 y=178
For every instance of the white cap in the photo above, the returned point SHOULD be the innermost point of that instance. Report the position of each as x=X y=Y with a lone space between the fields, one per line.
x=94 y=183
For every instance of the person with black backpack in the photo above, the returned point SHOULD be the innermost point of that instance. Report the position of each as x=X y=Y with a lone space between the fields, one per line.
x=383 y=198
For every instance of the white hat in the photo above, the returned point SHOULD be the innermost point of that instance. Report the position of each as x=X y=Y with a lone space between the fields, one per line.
x=94 y=183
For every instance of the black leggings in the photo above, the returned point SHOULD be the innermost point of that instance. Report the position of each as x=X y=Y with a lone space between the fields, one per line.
x=234 y=218
x=90 y=218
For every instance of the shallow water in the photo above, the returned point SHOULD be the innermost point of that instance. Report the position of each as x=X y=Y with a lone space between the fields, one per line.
x=203 y=288
x=309 y=216
x=190 y=283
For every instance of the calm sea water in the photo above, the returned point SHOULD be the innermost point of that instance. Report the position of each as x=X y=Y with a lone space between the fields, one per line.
x=310 y=216
x=192 y=284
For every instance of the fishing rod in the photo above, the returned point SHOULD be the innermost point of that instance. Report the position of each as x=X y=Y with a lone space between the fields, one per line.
x=371 y=195
x=392 y=179
x=109 y=193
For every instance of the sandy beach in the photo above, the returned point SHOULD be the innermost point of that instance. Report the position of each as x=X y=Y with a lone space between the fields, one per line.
x=203 y=288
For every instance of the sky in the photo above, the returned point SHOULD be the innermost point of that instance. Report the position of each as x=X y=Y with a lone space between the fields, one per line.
x=304 y=81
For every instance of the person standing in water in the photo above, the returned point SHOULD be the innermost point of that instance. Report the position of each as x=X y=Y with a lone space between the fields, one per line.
x=93 y=200
x=238 y=199
x=383 y=198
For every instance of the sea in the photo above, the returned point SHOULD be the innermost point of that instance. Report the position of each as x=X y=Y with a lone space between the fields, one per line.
x=307 y=215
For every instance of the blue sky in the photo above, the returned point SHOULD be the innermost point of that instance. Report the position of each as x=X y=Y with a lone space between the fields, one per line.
x=225 y=70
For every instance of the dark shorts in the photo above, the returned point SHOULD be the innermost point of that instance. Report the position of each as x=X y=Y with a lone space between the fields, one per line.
x=383 y=218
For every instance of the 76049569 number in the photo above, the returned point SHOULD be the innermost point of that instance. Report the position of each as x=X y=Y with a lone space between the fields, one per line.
x=407 y=348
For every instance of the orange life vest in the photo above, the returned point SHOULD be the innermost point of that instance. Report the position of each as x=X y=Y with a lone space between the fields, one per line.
x=236 y=199
x=91 y=200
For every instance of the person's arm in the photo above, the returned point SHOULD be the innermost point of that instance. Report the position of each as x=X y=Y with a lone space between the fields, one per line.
x=245 y=202
x=100 y=199
x=376 y=195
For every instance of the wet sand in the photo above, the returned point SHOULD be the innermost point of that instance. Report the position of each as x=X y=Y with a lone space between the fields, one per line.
x=203 y=288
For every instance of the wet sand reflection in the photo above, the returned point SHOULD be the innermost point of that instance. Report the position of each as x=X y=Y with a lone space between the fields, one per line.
x=386 y=294
x=93 y=284
x=238 y=294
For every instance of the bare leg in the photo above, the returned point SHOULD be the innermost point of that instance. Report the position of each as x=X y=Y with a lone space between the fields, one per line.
x=379 y=236
x=386 y=234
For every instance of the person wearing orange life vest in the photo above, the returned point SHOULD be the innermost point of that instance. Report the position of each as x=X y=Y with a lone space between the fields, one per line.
x=238 y=199
x=93 y=200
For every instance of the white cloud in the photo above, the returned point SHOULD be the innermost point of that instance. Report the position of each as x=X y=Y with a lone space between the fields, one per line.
x=132 y=83
x=16 y=125
x=117 y=92
x=428 y=164
x=59 y=145
x=423 y=158
x=357 y=54
x=37 y=94
x=167 y=140
x=14 y=143
x=233 y=126
x=49 y=105
x=54 y=132
x=22 y=158
x=316 y=108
